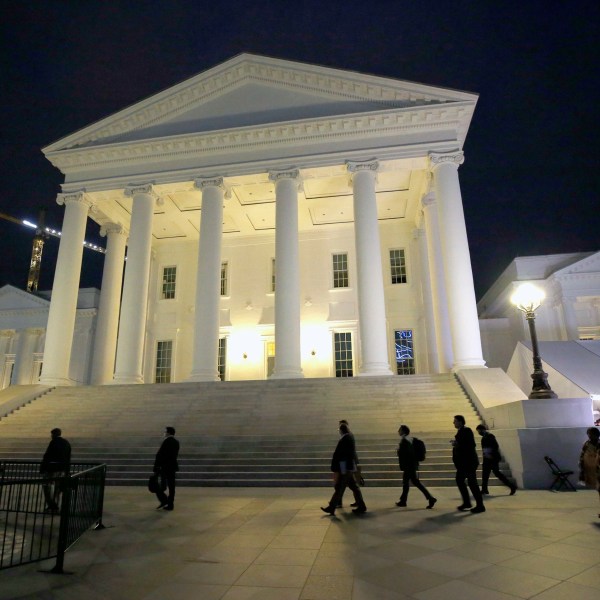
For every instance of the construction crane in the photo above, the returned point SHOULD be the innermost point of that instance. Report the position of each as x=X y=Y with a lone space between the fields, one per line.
x=42 y=233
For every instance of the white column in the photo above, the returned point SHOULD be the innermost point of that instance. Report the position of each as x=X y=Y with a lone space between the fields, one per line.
x=438 y=286
x=6 y=337
x=208 y=281
x=460 y=290
x=134 y=304
x=65 y=289
x=427 y=293
x=287 y=276
x=570 y=317
x=24 y=356
x=107 y=322
x=371 y=300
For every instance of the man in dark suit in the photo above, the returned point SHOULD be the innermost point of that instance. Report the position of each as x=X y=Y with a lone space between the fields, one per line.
x=55 y=463
x=343 y=468
x=464 y=457
x=166 y=465
x=491 y=461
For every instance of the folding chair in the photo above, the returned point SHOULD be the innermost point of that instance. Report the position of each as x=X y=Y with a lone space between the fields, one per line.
x=561 y=478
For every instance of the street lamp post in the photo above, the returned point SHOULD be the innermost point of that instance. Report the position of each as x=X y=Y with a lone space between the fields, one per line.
x=527 y=298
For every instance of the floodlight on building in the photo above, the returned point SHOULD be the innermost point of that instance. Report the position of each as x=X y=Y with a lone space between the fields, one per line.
x=528 y=298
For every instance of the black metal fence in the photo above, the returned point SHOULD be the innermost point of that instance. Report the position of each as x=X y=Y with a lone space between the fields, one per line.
x=31 y=527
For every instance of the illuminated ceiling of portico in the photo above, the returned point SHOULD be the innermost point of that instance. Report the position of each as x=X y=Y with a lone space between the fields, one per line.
x=324 y=201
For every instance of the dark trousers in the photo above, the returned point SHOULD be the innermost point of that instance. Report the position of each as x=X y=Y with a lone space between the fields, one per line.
x=167 y=478
x=52 y=488
x=492 y=466
x=346 y=480
x=409 y=477
x=470 y=475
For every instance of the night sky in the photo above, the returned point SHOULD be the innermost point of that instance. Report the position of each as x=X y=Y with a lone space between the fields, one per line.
x=530 y=177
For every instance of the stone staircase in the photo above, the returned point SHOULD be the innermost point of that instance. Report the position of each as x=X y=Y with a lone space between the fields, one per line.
x=247 y=433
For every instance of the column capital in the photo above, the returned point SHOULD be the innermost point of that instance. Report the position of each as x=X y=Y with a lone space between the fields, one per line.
x=428 y=200
x=354 y=166
x=140 y=188
x=291 y=173
x=109 y=228
x=7 y=333
x=143 y=189
x=33 y=330
x=455 y=158
x=79 y=196
x=216 y=181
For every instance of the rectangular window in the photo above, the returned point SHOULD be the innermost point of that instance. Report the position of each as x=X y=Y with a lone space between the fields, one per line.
x=405 y=352
x=168 y=283
x=224 y=279
x=164 y=354
x=273 y=275
x=222 y=357
x=340 y=270
x=398 y=266
x=342 y=346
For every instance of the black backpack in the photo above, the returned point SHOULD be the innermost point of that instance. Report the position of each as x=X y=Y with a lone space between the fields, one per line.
x=419 y=448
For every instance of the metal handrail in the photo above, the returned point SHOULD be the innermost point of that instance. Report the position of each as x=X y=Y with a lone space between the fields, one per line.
x=31 y=531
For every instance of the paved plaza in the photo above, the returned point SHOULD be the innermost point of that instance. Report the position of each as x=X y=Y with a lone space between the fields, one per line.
x=276 y=544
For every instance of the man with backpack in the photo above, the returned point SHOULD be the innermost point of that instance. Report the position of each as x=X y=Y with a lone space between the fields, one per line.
x=411 y=451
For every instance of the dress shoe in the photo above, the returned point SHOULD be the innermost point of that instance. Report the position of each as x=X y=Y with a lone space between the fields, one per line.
x=513 y=491
x=161 y=505
x=432 y=502
x=478 y=509
x=167 y=507
x=359 y=510
x=328 y=510
x=401 y=503
x=463 y=507
x=354 y=505
x=485 y=492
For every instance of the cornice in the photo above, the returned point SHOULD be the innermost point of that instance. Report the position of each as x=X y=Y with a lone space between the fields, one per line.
x=11 y=312
x=576 y=276
x=284 y=74
x=253 y=138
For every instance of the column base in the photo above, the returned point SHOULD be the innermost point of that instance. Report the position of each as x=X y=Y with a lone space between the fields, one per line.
x=125 y=380
x=287 y=374
x=204 y=375
x=56 y=381
x=375 y=370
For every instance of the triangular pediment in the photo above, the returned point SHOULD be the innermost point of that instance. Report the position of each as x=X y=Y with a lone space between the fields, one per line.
x=251 y=90
x=12 y=298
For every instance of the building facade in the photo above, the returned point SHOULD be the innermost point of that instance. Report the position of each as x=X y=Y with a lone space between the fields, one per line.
x=570 y=311
x=280 y=220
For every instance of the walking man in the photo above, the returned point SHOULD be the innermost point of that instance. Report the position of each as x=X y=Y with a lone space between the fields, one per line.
x=343 y=468
x=464 y=457
x=357 y=474
x=55 y=463
x=166 y=465
x=409 y=465
x=491 y=461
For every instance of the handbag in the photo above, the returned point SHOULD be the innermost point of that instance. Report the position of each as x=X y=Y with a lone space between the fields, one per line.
x=155 y=484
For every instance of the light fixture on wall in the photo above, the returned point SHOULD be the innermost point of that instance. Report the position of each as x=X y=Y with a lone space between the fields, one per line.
x=244 y=355
x=313 y=352
x=528 y=298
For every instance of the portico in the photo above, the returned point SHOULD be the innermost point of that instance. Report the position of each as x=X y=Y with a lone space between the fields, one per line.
x=268 y=201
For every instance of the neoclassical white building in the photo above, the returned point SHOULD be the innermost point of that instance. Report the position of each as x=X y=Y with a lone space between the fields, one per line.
x=569 y=312
x=279 y=220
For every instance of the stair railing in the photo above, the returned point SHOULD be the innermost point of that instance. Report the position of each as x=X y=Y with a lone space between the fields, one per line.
x=29 y=530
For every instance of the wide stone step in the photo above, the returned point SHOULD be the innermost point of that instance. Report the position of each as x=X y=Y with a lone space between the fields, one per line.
x=247 y=433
